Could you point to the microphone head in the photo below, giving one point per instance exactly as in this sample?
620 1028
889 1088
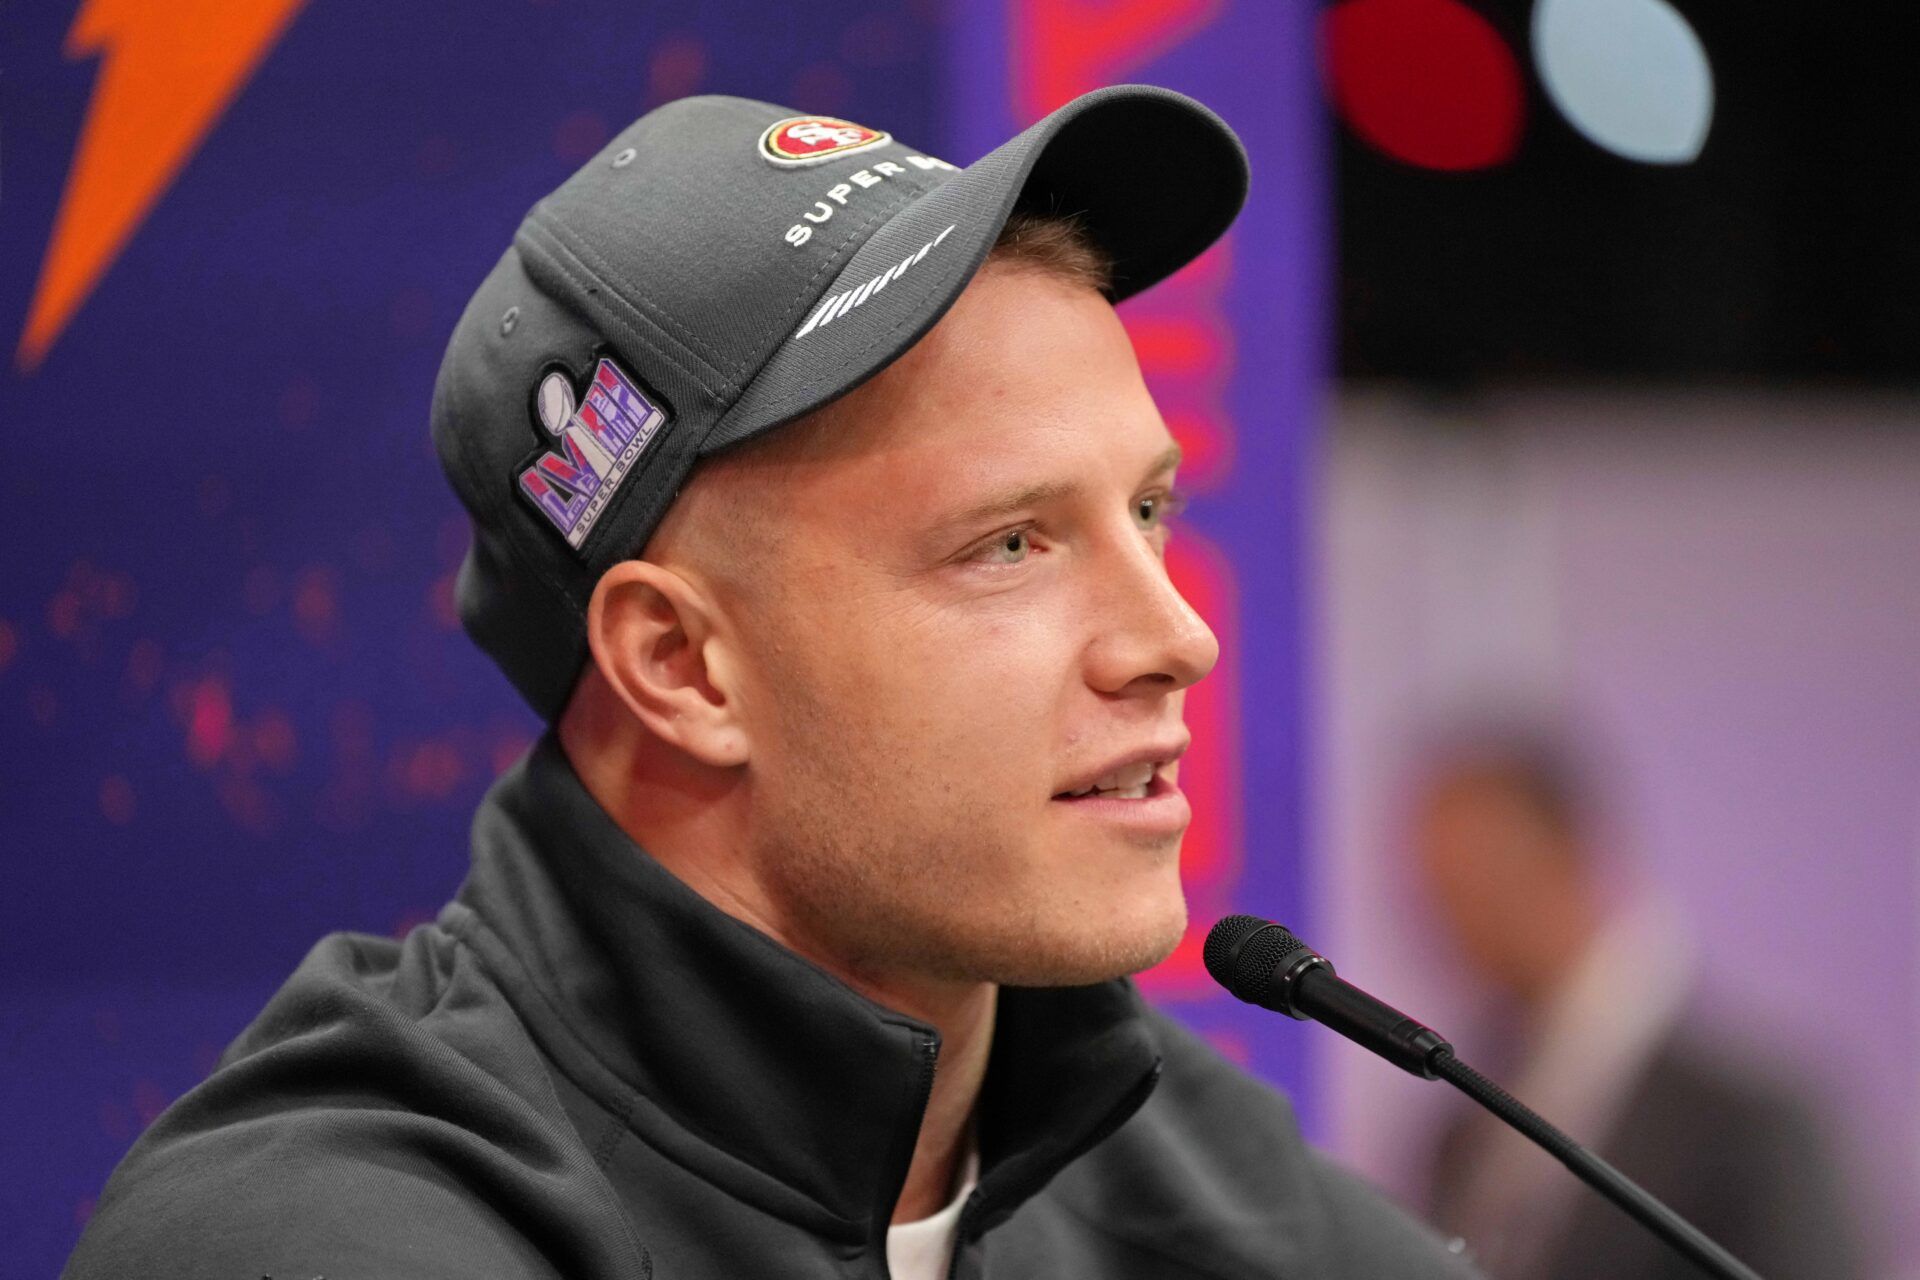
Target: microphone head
1245 953
1223 945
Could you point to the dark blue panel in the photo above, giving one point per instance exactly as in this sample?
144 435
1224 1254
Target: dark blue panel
234 711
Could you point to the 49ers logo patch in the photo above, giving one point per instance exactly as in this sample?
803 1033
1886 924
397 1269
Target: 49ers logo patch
810 139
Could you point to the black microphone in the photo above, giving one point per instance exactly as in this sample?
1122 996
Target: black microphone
1263 964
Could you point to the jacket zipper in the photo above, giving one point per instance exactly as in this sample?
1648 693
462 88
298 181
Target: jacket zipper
927 1055
1122 1112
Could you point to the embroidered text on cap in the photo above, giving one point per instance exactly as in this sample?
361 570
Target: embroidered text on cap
590 448
810 139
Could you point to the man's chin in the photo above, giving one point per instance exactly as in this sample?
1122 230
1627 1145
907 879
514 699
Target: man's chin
1118 948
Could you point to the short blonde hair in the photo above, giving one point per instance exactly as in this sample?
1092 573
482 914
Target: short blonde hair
1056 244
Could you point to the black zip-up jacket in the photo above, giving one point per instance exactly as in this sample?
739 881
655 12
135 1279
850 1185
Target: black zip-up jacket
584 1069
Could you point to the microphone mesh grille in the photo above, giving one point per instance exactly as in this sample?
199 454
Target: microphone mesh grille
1262 945
1222 939
1261 960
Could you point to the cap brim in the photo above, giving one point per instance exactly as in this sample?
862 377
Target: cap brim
1154 177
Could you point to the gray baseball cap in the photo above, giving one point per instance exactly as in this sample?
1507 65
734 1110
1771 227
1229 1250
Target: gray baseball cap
725 266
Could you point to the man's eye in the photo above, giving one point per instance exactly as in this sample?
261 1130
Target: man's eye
1010 547
1158 508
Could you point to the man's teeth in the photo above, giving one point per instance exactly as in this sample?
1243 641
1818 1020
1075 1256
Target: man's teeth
1129 783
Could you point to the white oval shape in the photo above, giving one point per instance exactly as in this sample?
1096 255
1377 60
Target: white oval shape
555 401
1630 75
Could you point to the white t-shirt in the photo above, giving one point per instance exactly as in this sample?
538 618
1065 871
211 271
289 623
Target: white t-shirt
922 1250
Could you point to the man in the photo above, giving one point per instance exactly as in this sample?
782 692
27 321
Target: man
796 947
1507 834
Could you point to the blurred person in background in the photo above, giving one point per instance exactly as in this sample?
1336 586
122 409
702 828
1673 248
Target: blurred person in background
1595 1025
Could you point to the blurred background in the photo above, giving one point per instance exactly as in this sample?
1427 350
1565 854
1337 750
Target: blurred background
1553 415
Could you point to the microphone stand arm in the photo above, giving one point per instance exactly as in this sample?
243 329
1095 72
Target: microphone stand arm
1264 964
1590 1168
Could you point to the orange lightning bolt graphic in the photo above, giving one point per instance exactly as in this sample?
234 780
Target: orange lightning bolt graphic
168 70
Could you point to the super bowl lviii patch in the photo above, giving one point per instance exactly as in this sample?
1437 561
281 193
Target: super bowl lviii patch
801 140
594 438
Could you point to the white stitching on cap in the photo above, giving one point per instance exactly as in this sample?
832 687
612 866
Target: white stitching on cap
819 313
838 305
884 208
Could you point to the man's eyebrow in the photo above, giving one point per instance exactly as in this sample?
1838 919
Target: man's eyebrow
1044 492
1008 503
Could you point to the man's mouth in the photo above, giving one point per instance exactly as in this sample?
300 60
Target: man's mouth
1154 807
1137 792
1129 782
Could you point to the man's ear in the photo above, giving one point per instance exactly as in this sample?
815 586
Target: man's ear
654 640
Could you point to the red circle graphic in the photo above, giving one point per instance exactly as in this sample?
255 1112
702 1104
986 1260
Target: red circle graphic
1429 82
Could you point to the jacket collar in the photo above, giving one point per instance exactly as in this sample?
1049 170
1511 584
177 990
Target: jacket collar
765 1058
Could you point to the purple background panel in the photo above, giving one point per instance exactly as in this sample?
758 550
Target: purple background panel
235 712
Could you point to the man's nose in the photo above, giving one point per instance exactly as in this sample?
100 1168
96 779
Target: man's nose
1150 640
